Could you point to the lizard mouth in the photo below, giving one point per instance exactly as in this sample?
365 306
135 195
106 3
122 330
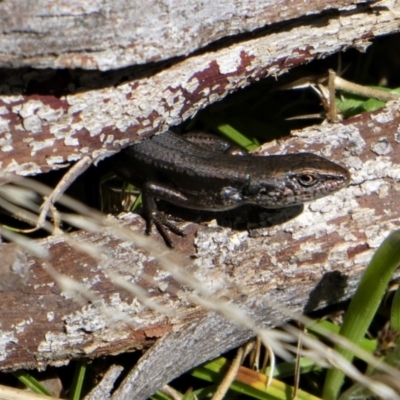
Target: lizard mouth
295 193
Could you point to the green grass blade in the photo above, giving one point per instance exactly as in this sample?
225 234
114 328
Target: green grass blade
395 311
364 304
160 396
31 383
77 382
215 370
366 344
189 396
137 203
286 369
234 135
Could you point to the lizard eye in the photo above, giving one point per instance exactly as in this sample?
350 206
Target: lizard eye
263 191
306 180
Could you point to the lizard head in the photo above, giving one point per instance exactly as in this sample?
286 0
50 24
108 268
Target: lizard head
295 179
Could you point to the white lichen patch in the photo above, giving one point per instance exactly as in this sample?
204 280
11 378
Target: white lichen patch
157 122
386 115
11 99
53 160
28 108
4 125
394 172
213 281
95 113
373 186
163 286
134 307
307 250
93 280
161 275
7 148
63 126
309 224
6 142
121 143
397 134
25 169
94 127
55 342
363 258
101 320
32 124
97 154
231 62
376 234
42 285
215 239
88 319
6 338
110 139
237 239
50 316
49 114
37 146
193 85
378 168
3 110
337 254
384 190
349 135
381 147
71 141
20 327
324 205
354 163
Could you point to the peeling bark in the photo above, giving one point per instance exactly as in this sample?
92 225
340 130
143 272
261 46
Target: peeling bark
304 262
44 131
302 259
109 35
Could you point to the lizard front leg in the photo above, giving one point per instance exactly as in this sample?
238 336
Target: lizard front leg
151 191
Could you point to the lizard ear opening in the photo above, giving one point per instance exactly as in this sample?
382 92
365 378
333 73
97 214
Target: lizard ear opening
263 191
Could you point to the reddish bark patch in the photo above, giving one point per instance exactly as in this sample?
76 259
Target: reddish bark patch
354 251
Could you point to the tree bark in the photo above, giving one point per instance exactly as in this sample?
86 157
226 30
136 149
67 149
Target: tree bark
301 259
109 35
51 118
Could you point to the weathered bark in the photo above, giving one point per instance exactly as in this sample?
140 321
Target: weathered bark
110 35
43 131
303 263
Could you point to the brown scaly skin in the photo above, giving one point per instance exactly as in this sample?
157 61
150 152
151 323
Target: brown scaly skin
174 169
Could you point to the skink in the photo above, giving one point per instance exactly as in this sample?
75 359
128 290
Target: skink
174 169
